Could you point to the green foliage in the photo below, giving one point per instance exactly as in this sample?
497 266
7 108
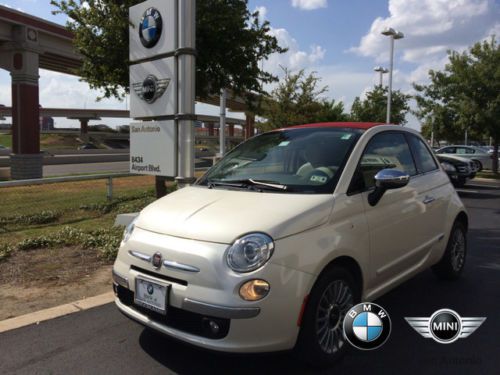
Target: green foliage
374 107
43 217
231 43
298 100
465 95
139 201
106 241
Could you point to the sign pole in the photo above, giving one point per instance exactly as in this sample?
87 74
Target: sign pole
186 94
222 123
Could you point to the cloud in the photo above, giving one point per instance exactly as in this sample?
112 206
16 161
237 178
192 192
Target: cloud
262 12
294 58
309 4
431 27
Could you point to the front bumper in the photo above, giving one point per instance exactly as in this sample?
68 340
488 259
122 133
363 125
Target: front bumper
212 294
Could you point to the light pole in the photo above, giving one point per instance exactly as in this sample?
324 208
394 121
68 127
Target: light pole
393 35
381 71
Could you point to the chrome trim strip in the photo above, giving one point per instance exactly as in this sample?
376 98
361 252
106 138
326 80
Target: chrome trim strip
141 256
220 311
120 280
180 266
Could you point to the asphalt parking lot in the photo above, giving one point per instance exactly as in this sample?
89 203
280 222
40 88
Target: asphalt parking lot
102 341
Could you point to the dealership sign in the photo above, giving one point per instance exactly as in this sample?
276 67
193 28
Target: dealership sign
161 35
149 137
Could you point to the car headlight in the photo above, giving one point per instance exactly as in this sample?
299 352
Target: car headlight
250 252
129 230
448 167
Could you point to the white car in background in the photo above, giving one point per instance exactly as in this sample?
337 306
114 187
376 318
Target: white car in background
480 156
270 249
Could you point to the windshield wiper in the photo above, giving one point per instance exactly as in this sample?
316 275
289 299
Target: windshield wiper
245 183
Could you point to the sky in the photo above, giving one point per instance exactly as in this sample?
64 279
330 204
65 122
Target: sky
339 40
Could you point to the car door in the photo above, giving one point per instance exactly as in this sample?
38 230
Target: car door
395 221
433 189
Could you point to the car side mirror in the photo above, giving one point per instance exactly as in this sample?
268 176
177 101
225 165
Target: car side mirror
387 179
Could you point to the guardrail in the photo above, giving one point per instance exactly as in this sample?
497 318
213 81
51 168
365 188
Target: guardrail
53 180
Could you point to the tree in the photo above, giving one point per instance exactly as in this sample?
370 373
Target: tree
468 89
298 99
374 107
231 43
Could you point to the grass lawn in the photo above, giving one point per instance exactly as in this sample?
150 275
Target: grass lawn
6 140
82 205
47 141
495 176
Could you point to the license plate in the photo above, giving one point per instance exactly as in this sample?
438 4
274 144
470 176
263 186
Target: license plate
151 295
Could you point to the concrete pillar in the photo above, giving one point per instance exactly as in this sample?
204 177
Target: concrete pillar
211 129
26 159
250 125
230 128
84 129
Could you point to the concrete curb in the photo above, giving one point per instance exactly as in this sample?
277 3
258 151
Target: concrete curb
55 312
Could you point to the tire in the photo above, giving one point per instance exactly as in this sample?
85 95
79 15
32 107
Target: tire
321 341
452 264
478 164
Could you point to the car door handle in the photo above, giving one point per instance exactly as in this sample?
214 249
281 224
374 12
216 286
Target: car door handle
428 199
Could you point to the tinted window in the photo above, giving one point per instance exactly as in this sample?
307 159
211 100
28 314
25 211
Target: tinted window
385 150
307 160
447 150
425 161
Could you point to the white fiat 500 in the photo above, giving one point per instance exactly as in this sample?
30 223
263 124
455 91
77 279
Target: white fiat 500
273 245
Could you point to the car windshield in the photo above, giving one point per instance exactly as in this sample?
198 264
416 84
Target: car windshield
303 160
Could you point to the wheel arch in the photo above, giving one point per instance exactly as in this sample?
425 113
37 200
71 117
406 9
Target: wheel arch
352 266
463 218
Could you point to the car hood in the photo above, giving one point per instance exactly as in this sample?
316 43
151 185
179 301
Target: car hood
221 215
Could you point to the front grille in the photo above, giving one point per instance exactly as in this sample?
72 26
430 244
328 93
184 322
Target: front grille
180 319
160 276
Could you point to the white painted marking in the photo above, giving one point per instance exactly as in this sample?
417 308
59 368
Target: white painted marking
55 312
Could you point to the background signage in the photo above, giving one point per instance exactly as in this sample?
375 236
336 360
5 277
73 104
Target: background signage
153 29
152 144
153 88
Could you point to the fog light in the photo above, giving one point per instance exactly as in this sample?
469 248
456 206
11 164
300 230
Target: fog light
254 290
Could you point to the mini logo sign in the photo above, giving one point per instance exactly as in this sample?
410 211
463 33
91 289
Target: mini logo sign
151 88
156 260
150 28
445 326
367 326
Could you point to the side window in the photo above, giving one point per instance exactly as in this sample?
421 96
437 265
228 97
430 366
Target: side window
385 150
425 161
448 150
461 150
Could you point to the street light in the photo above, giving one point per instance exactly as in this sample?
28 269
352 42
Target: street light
393 34
381 71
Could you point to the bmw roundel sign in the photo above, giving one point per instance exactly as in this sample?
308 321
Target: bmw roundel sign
150 27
